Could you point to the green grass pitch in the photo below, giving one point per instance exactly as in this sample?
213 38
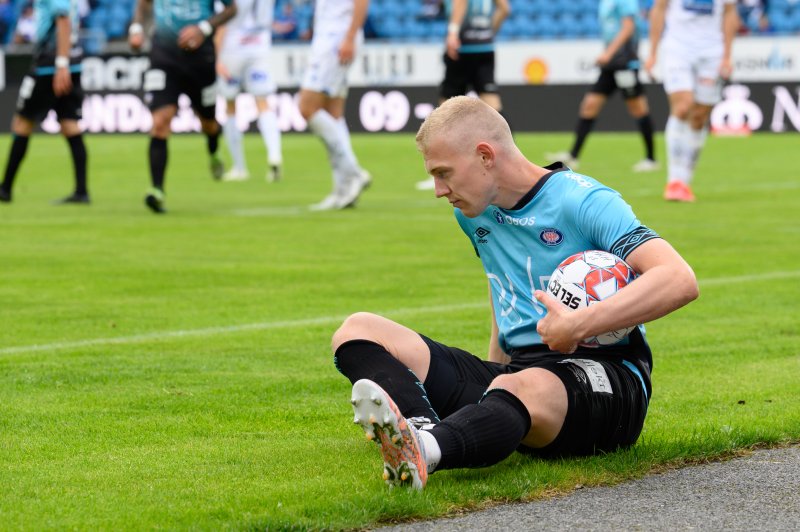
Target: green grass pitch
175 371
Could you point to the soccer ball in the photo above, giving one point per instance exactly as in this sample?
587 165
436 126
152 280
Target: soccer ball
587 277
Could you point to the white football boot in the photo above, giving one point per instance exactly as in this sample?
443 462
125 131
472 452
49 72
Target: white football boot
236 174
404 461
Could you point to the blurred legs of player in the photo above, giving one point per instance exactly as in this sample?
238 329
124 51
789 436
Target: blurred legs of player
685 135
158 154
325 117
249 73
627 81
36 100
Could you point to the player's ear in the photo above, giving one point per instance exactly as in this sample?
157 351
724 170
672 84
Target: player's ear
486 153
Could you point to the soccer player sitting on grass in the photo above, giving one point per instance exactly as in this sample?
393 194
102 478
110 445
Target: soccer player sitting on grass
432 406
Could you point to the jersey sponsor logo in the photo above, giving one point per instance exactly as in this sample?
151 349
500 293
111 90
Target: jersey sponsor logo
528 221
482 233
551 236
579 179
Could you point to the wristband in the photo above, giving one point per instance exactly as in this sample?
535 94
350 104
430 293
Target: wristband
135 29
205 27
453 28
62 61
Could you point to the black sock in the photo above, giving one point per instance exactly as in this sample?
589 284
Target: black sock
212 140
582 130
482 434
78 149
15 155
646 127
362 359
158 161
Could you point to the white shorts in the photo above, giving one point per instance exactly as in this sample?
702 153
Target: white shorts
324 73
247 74
696 71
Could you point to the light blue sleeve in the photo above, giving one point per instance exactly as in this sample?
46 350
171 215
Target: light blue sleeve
60 8
628 8
604 217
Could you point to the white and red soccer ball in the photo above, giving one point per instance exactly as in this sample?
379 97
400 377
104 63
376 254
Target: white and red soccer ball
586 278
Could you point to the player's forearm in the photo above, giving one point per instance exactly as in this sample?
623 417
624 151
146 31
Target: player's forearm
657 14
222 17
143 8
457 13
360 8
666 284
502 9
63 37
730 26
623 36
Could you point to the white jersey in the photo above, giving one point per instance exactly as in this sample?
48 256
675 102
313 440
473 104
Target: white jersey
332 16
695 24
250 31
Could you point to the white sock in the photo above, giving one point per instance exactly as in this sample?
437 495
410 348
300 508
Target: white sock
271 133
431 450
233 137
327 128
678 149
697 139
344 134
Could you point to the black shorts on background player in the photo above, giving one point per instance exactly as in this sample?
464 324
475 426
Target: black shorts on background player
174 72
626 80
474 71
36 98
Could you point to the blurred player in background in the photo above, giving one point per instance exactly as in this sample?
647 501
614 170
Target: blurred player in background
695 58
244 45
53 83
337 35
619 69
182 61
469 54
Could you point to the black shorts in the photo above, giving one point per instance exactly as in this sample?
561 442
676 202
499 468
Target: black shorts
474 71
627 81
607 395
174 72
36 99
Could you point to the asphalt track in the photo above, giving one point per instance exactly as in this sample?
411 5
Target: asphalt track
757 492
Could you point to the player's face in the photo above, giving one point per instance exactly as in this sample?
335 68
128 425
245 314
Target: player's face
459 176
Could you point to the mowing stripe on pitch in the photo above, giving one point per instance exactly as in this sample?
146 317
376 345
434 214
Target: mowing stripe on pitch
323 320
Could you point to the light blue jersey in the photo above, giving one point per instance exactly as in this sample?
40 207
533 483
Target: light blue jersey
173 15
612 13
46 13
477 35
565 213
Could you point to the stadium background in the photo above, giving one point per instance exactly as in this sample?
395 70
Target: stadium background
546 51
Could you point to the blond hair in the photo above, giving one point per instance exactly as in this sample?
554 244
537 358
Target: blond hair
462 121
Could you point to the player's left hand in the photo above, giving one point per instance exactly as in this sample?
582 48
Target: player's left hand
222 71
190 38
726 68
347 51
62 82
603 59
556 328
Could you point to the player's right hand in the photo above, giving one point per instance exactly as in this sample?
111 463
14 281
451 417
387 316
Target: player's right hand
136 41
62 82
649 64
453 44
222 71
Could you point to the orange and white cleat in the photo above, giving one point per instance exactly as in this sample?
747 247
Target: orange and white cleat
403 453
678 191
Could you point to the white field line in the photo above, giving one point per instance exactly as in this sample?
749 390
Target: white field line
322 320
217 331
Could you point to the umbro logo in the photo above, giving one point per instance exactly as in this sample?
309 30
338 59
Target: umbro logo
482 233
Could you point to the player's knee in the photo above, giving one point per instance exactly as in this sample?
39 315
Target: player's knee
354 327
509 383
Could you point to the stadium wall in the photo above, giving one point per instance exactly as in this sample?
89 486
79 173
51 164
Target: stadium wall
395 86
